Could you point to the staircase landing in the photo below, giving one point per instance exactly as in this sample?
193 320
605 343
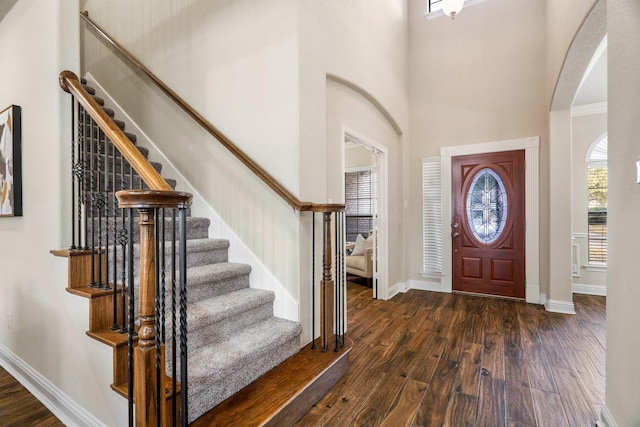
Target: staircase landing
284 394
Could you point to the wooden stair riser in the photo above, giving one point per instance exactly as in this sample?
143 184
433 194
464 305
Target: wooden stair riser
101 311
79 267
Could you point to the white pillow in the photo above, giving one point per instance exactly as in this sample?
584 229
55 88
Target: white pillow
362 245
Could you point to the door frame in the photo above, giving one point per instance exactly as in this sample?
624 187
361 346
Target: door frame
381 257
531 146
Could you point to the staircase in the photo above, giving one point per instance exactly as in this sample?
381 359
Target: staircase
232 334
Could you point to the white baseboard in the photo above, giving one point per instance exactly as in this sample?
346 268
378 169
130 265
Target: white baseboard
563 307
606 419
61 405
398 288
599 290
424 285
543 298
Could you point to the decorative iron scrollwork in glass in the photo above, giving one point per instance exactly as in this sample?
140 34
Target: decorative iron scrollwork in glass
487 206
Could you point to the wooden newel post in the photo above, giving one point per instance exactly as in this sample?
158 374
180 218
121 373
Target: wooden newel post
326 286
144 356
145 391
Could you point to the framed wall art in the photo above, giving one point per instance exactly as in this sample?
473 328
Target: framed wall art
10 162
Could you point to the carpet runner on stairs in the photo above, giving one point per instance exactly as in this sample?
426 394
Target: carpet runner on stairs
232 334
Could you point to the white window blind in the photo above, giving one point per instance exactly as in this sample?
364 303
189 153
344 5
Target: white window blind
359 191
431 216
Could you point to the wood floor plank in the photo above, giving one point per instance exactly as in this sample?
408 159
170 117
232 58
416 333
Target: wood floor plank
403 409
548 409
436 400
493 355
468 380
579 410
373 412
540 376
553 349
491 403
461 411
424 366
519 403
591 379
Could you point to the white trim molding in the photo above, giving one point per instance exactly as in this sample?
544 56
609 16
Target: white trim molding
606 419
61 405
563 307
599 290
589 109
599 268
531 146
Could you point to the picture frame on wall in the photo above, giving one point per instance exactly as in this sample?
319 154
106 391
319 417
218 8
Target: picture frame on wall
10 162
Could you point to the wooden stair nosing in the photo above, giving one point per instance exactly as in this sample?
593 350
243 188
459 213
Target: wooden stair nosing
284 394
110 337
89 292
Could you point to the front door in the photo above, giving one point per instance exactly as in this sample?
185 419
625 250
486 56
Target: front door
488 224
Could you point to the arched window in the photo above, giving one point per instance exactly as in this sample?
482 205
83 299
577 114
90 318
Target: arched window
596 159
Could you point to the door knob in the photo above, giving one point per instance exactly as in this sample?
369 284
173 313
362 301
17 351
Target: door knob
455 225
455 234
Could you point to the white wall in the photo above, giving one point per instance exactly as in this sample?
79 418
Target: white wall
358 50
623 293
478 78
45 341
585 130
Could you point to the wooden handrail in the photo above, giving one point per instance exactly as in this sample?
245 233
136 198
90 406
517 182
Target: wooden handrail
71 84
271 182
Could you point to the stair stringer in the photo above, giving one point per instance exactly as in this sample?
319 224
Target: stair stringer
285 305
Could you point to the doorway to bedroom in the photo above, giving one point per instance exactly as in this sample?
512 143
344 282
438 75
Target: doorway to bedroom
365 210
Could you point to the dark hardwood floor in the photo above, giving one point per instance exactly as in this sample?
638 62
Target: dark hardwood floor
18 407
433 359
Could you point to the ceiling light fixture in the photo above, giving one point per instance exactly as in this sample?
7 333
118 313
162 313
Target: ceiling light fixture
452 7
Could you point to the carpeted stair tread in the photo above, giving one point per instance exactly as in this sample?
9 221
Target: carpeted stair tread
222 369
214 310
239 350
206 274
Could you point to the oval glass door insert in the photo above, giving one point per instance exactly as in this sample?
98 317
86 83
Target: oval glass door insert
487 206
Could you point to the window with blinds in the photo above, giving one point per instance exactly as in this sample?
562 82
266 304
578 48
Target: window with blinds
431 216
597 193
358 203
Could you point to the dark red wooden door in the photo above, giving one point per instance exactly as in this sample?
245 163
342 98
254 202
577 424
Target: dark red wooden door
488 224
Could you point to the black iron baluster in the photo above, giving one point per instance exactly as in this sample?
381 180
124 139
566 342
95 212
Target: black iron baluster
85 186
114 222
93 203
313 280
124 238
131 318
184 410
99 197
106 207
163 270
157 315
174 388
343 292
74 142
336 302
